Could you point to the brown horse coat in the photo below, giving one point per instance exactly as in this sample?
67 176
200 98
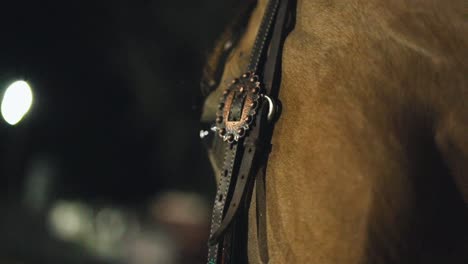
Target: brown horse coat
370 156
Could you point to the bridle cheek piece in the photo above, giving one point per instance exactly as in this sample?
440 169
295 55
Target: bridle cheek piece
245 127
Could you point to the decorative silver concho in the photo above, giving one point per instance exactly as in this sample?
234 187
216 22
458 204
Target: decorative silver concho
238 107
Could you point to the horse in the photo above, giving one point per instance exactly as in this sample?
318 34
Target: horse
369 158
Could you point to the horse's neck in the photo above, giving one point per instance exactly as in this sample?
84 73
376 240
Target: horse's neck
355 175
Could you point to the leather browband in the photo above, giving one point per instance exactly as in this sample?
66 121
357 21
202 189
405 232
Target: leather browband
246 128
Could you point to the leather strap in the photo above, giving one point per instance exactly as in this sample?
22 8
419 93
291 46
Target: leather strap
272 68
260 191
272 79
222 196
262 35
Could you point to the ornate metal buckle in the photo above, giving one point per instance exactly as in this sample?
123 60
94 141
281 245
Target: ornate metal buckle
238 107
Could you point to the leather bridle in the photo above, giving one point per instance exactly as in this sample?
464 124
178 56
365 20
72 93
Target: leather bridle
244 123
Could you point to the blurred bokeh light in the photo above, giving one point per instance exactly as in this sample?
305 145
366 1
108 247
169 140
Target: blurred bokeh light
16 102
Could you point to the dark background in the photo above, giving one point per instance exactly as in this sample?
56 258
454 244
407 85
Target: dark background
115 117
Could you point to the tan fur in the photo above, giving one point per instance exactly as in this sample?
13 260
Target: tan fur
367 87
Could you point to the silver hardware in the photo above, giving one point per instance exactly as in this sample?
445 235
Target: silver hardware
227 45
271 108
204 133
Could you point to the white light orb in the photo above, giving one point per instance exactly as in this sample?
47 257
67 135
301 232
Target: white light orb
16 102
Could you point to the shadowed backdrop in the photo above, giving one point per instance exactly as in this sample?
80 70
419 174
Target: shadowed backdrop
114 125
